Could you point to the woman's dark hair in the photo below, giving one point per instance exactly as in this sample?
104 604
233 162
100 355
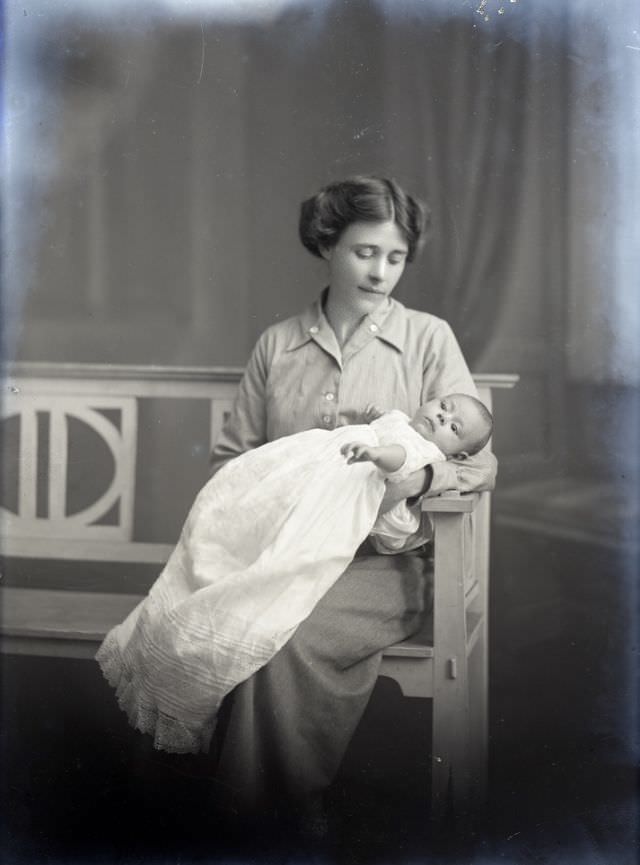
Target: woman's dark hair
324 216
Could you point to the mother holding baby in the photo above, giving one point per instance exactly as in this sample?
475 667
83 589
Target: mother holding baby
283 732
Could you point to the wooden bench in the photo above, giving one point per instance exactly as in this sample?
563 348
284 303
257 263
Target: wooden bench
446 662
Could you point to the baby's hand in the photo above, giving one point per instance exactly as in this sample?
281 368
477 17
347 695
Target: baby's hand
356 452
372 412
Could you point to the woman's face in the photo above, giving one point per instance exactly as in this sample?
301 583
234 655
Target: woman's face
366 263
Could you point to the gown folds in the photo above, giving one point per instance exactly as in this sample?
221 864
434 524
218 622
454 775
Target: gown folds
266 537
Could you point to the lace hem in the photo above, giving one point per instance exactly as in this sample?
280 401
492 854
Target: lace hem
169 734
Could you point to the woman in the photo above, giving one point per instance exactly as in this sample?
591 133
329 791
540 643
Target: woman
287 727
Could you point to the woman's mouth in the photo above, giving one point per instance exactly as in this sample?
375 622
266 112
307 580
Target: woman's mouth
370 290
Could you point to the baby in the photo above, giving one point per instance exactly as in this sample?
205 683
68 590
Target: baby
265 539
457 425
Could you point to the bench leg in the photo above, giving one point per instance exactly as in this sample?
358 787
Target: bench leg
451 769
479 662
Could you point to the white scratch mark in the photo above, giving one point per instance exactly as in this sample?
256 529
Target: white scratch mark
633 47
509 837
202 53
361 132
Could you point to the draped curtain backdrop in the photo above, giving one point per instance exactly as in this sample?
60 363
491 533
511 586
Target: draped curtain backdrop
192 198
156 165
463 98
476 175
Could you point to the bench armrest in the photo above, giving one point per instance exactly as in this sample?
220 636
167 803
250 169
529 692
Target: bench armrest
451 503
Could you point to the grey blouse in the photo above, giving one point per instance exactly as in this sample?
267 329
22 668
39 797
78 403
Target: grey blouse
297 378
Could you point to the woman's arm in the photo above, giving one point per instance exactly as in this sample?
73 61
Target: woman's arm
411 488
246 427
400 530
474 474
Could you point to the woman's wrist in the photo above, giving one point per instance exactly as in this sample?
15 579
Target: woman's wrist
427 472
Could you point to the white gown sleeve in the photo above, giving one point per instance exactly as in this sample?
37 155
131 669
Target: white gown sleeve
401 528
393 428
393 530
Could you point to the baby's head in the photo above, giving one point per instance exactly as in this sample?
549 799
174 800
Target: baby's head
459 424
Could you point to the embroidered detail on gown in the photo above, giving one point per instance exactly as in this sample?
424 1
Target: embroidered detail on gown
266 537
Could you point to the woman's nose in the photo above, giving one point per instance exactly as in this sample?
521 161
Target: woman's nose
377 269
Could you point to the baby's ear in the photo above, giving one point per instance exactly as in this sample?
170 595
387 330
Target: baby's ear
463 455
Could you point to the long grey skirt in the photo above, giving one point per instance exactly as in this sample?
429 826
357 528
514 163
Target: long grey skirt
283 732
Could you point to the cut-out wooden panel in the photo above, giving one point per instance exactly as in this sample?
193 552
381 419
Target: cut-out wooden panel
43 461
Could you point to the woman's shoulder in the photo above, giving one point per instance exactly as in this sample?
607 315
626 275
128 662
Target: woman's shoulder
417 327
284 332
420 318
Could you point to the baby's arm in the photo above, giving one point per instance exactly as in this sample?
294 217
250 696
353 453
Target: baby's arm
389 458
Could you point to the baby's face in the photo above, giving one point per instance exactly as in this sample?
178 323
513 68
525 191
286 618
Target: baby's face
453 423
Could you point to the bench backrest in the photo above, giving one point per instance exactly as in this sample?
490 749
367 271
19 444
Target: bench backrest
77 438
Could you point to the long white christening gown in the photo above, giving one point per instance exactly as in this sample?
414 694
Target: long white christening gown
266 537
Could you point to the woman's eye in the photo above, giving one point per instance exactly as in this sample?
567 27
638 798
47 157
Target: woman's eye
364 253
396 259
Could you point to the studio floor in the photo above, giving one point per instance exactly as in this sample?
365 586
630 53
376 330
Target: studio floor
80 787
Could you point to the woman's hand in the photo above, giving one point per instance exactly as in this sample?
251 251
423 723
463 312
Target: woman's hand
372 412
416 484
